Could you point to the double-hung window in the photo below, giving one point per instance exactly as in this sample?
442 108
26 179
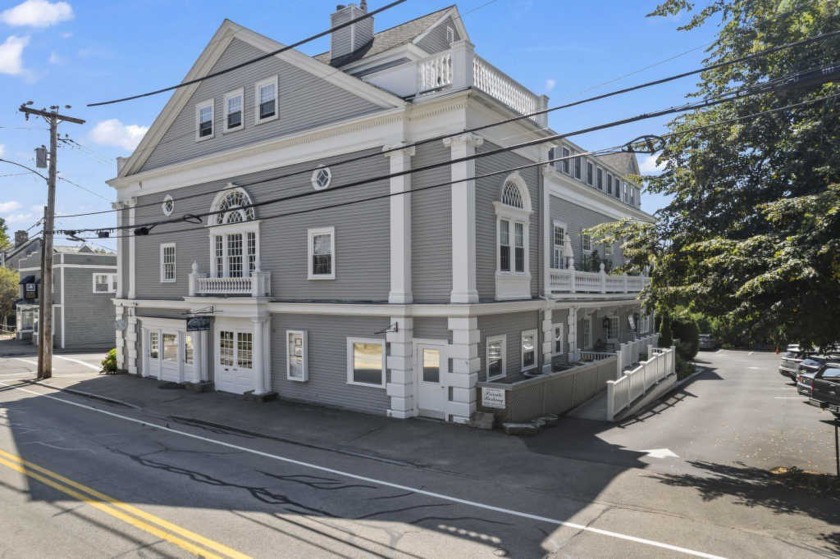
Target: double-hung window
609 183
366 362
167 262
233 110
519 246
504 245
321 253
204 120
102 283
566 161
589 172
600 179
495 357
612 333
585 242
617 188
529 349
577 167
559 331
559 238
266 99
296 362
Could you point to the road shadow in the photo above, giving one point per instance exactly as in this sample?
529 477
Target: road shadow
782 491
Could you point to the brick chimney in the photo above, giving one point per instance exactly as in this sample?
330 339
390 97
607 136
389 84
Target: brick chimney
20 238
353 37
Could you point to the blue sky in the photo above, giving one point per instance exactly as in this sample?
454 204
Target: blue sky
77 52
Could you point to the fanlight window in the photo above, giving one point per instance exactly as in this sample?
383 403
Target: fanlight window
235 207
511 196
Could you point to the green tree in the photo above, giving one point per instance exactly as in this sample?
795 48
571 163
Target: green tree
4 235
8 294
666 336
751 234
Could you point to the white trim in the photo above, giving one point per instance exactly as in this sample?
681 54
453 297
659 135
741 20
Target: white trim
450 34
596 200
228 96
64 302
257 86
163 278
167 201
351 361
456 20
132 250
310 237
487 341
513 284
109 277
74 266
315 174
305 367
522 335
198 107
562 339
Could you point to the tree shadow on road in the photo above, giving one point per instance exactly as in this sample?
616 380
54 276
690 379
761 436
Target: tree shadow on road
783 491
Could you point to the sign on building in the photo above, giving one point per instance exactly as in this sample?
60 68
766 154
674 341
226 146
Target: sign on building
493 397
198 323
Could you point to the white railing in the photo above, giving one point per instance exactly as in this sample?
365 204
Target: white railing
587 356
435 72
574 281
630 352
460 68
499 85
258 284
632 385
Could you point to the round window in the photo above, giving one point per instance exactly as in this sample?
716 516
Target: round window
168 205
321 178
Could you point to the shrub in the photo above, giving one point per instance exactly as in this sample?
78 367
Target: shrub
686 331
109 364
684 367
666 337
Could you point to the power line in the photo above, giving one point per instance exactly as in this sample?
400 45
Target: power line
252 61
448 183
513 119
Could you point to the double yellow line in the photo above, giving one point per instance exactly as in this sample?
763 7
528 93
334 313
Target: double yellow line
183 538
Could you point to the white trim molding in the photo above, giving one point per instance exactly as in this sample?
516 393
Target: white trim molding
513 216
257 87
164 247
209 103
351 342
310 253
400 221
502 339
534 343
297 336
226 107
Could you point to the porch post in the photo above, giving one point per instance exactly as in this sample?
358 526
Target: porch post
119 336
400 225
465 366
131 341
401 388
463 218
257 355
548 340
572 324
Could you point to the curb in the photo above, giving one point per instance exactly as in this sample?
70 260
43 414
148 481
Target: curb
84 394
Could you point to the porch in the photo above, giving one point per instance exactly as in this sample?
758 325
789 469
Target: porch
562 281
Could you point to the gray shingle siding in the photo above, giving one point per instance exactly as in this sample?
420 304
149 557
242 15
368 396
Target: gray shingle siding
89 316
362 233
305 101
436 40
488 190
327 354
578 218
432 328
431 220
512 325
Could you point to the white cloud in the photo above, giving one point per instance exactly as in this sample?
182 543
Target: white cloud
11 55
648 166
37 13
112 132
10 206
19 218
55 58
549 85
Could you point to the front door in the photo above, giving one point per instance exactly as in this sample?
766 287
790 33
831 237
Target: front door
169 350
430 359
234 360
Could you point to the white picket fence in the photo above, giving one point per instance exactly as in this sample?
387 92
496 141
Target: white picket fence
634 384
629 352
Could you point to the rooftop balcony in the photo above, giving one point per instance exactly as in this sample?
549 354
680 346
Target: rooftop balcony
566 281
460 68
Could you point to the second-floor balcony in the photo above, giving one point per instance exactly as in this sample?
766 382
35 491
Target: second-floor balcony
460 68
565 281
257 284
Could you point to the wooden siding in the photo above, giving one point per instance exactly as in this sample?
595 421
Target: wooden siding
436 40
512 325
578 218
305 101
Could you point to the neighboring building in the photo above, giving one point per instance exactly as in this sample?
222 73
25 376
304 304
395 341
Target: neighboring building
397 305
84 282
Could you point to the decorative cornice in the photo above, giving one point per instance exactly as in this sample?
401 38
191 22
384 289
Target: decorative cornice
469 139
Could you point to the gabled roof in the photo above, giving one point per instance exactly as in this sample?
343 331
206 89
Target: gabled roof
624 162
224 36
388 39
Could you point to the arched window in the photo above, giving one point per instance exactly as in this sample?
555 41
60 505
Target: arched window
234 234
513 216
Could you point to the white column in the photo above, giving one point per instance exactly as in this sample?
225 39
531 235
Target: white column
131 341
547 235
572 324
132 252
258 356
465 366
463 218
400 225
463 56
548 340
120 256
401 387
119 337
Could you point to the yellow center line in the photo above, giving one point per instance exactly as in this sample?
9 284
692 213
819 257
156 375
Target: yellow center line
129 514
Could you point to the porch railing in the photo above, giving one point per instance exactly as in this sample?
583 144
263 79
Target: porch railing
258 284
635 383
574 281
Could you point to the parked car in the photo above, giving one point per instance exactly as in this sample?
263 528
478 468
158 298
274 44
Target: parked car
707 341
808 369
791 359
826 388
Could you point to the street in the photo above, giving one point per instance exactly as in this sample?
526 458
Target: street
82 477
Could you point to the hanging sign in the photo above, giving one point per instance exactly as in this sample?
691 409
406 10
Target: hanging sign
198 323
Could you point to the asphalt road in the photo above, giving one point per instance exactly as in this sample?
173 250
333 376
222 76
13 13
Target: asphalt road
81 478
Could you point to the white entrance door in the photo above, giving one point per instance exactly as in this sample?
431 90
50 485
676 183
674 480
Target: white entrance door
169 362
429 362
152 357
234 360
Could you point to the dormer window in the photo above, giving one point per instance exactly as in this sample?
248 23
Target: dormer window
233 110
204 120
266 99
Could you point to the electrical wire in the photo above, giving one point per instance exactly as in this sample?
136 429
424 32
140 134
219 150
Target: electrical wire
253 60
496 173
516 118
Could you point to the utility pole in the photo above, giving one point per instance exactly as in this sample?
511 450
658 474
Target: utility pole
45 348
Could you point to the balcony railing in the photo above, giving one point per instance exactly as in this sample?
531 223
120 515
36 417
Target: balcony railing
460 68
258 284
574 281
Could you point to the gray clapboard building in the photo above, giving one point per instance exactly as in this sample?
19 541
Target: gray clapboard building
84 282
300 226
